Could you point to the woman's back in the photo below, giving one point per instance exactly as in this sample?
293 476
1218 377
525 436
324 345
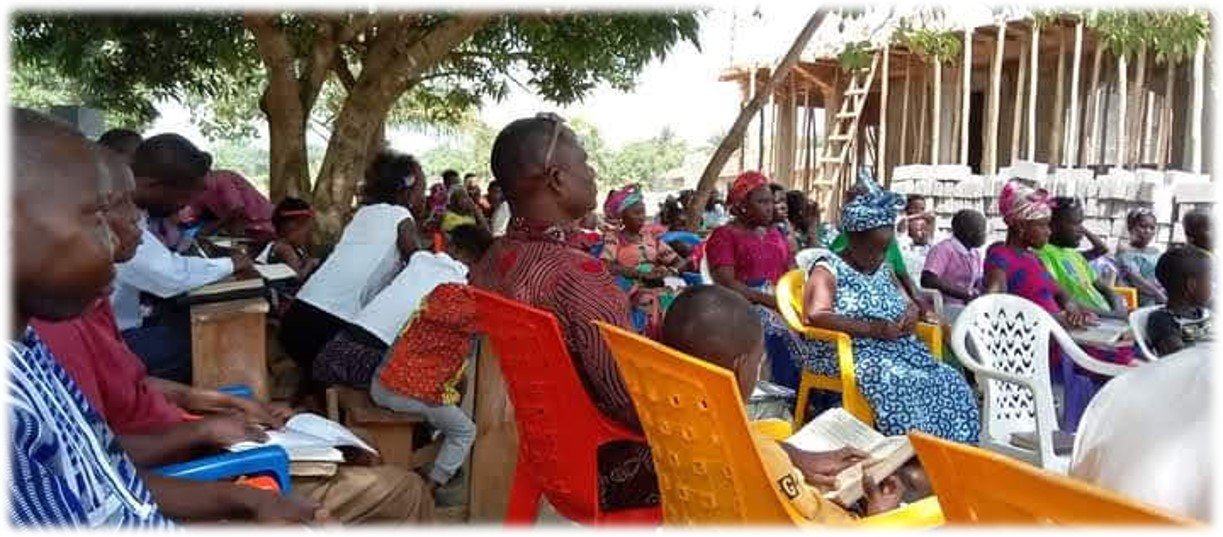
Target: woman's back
365 259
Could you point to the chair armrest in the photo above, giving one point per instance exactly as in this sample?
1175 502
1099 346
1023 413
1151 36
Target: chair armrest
851 398
267 460
932 336
924 513
773 428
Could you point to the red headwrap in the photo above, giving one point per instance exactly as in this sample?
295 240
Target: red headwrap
744 185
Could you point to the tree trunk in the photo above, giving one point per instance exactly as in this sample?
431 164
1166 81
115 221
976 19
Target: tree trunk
281 103
1138 106
903 156
1092 124
995 102
1165 123
1017 122
1072 149
710 176
1056 141
394 63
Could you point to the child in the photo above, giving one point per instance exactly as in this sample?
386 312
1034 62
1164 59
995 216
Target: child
1136 264
462 210
352 355
1069 266
917 248
915 207
1184 273
1198 228
687 329
954 266
293 219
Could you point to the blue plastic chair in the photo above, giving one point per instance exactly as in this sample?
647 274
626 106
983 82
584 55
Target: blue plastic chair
687 237
271 461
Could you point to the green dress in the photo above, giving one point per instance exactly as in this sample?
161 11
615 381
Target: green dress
1074 275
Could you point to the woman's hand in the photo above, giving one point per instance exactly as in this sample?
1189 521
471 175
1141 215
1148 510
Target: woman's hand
886 330
1076 317
275 509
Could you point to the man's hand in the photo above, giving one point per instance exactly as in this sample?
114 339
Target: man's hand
226 430
883 497
821 468
213 402
242 262
274 508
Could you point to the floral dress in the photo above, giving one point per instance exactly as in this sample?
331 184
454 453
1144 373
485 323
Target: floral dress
649 302
906 387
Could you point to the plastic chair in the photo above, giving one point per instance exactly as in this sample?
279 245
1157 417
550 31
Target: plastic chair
1138 323
1129 295
559 428
977 487
687 237
271 461
790 304
709 471
1004 339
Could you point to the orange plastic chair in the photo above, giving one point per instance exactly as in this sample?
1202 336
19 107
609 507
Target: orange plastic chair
976 486
1129 295
790 304
709 471
559 428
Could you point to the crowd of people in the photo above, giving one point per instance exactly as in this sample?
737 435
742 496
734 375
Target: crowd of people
109 233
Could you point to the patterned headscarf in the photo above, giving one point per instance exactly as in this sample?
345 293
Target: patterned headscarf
620 200
872 207
744 185
1022 203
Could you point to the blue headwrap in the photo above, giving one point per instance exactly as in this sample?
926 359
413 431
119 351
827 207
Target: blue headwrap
872 208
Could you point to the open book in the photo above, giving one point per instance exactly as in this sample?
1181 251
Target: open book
275 271
310 438
1108 333
836 429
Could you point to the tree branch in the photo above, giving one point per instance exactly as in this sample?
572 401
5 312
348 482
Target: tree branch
343 72
319 62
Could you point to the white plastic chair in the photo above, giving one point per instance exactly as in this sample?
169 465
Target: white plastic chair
1004 340
705 274
1138 324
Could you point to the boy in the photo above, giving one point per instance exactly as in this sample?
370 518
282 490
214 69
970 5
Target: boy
954 266
686 329
1070 268
1198 229
917 248
1184 272
915 208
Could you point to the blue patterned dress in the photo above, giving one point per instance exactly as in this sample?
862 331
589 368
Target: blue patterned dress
906 387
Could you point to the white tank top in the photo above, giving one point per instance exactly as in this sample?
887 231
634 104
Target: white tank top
362 263
386 315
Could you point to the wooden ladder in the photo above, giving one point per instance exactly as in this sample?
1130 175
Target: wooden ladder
841 144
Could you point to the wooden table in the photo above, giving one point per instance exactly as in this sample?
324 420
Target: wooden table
494 456
229 345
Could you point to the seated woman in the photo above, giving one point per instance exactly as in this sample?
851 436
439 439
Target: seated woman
372 249
1069 267
1012 267
1136 260
857 293
639 261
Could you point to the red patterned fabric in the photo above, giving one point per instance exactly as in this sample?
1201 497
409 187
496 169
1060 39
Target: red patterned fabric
427 359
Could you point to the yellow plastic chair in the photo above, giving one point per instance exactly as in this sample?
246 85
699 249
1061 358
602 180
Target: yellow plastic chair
975 486
709 471
790 304
1129 295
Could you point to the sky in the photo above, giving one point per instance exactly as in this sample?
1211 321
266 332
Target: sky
681 92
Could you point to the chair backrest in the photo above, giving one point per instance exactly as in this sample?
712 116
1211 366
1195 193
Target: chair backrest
559 427
1129 295
708 468
1005 340
975 486
1138 324
790 298
705 273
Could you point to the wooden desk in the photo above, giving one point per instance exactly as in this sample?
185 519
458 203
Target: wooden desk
229 345
494 456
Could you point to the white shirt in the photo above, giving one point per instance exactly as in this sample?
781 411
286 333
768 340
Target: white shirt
1146 435
158 271
362 263
501 219
386 315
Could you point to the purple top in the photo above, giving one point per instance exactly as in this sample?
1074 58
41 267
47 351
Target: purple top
956 264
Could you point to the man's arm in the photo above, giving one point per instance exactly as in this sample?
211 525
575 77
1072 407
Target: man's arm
189 439
930 280
1098 248
157 270
199 501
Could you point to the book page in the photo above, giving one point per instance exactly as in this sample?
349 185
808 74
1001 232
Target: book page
276 271
328 431
835 429
1108 332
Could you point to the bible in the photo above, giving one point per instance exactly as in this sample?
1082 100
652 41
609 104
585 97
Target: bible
311 438
836 429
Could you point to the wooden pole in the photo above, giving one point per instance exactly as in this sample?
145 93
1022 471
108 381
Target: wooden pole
995 100
760 137
953 138
1195 125
1165 122
1072 150
965 96
1093 109
1144 156
1059 107
921 120
751 94
1017 122
903 158
936 117
1139 95
709 177
1123 109
1034 65
881 170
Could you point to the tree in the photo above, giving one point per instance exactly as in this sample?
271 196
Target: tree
284 64
643 161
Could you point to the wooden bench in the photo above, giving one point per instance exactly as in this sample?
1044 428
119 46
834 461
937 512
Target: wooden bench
392 433
229 345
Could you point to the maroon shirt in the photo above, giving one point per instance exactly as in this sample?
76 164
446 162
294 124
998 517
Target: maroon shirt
112 378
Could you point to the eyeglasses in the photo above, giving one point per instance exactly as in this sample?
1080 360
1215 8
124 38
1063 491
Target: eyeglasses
557 122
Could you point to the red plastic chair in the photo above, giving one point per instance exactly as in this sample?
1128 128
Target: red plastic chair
559 428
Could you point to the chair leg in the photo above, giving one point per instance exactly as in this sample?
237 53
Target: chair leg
524 498
800 408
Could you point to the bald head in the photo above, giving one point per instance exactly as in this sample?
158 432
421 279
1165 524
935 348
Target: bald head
520 150
543 170
713 323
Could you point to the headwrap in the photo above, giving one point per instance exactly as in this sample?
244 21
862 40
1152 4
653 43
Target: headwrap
744 185
1022 203
872 207
619 200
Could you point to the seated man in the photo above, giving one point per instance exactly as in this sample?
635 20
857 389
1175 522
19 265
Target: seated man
1184 273
169 171
686 329
152 427
231 204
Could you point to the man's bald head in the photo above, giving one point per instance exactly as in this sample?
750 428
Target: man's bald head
713 323
519 152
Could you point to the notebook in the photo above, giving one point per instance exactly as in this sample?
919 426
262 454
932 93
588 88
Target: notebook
836 429
275 271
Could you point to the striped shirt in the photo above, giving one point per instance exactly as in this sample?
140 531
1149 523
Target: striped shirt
66 467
